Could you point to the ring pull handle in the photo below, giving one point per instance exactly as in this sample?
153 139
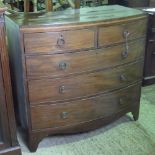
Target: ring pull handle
61 89
123 78
61 41
64 115
62 65
125 54
123 101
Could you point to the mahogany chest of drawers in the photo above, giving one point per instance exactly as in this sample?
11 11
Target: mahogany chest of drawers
74 71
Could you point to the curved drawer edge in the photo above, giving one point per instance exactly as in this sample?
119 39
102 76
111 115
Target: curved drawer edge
79 111
86 126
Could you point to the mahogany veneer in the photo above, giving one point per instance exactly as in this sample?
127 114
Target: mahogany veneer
8 138
76 70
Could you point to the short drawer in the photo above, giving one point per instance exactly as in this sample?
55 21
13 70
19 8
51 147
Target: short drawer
71 63
117 33
59 89
56 42
79 111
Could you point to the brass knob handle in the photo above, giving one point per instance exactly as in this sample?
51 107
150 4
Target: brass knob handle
62 65
125 54
61 89
121 101
123 78
64 115
61 41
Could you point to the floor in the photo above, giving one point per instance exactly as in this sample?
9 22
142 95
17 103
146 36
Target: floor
123 137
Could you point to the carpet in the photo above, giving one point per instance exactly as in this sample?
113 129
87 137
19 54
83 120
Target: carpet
122 137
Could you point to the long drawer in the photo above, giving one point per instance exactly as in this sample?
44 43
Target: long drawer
70 63
70 113
118 33
59 89
59 41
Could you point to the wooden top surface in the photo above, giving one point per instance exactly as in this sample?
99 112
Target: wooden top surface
71 16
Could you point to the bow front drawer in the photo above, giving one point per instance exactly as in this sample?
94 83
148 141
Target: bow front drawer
59 65
80 111
59 89
75 71
121 33
55 42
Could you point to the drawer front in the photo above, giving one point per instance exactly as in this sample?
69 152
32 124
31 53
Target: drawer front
71 63
70 113
51 90
56 42
118 33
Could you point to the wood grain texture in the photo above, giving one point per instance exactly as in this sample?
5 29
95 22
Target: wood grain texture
60 65
115 34
7 120
66 79
16 68
3 115
8 87
59 41
73 129
51 90
91 15
51 116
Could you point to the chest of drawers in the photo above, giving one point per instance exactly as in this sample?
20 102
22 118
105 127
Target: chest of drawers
74 71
